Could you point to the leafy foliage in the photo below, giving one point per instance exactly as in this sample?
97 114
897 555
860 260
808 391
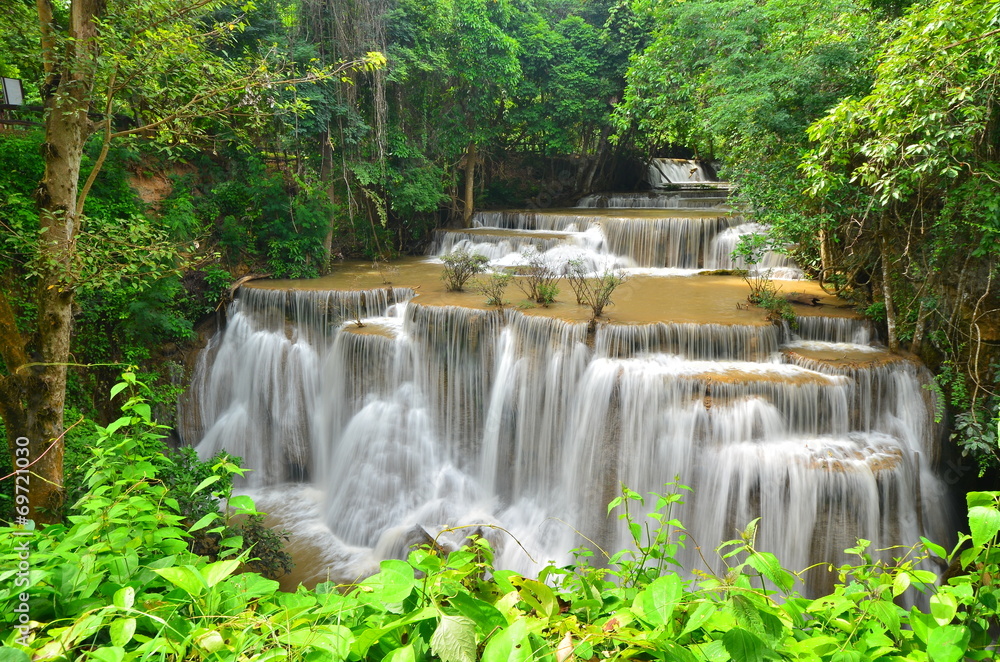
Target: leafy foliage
459 267
593 292
118 582
493 286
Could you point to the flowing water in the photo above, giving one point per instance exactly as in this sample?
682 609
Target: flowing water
373 417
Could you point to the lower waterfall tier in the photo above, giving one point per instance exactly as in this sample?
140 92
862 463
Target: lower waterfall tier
372 420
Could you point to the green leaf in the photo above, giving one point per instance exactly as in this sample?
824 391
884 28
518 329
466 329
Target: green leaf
404 654
743 646
487 618
510 644
117 388
243 505
767 565
216 572
948 643
184 577
203 522
143 410
205 483
657 601
984 524
124 597
454 640
943 607
900 584
539 596
11 654
121 631
209 640
392 584
108 654
701 614
888 614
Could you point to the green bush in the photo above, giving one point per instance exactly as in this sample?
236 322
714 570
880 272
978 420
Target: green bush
117 582
459 267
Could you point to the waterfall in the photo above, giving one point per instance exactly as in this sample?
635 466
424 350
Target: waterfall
373 419
681 239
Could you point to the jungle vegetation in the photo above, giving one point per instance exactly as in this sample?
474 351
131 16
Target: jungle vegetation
171 147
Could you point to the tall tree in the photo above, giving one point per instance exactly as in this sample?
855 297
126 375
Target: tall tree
922 150
145 69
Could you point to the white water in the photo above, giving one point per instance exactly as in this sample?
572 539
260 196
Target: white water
682 243
452 416
665 172
364 441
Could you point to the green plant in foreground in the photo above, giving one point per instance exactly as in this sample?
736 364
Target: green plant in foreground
117 582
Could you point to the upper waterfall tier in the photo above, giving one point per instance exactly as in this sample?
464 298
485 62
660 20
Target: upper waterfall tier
409 410
678 240
656 200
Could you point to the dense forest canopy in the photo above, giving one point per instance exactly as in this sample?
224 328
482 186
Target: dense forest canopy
170 148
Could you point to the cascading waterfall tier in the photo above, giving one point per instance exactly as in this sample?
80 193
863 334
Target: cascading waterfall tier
676 234
371 422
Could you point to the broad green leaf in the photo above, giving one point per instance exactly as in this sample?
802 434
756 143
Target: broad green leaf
747 613
243 505
184 577
657 601
888 614
743 646
121 631
701 614
934 548
674 652
984 524
124 597
509 645
713 651
947 643
404 654
943 607
900 584
369 636
922 624
108 654
539 596
203 522
486 617
393 583
454 640
216 572
209 640
11 654
979 499
767 565
205 483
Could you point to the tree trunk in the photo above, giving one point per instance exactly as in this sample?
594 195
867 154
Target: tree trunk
602 146
890 308
824 253
470 184
39 414
326 176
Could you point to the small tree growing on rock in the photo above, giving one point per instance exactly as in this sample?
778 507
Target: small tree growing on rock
537 278
459 267
594 292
